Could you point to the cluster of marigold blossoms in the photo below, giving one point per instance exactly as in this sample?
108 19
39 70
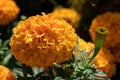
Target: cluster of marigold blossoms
43 40
5 74
111 22
8 11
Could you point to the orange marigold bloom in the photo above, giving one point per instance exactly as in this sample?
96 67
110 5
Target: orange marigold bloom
42 40
5 74
110 21
8 11
105 61
69 14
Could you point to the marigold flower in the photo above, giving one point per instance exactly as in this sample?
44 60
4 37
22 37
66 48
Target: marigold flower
5 74
69 14
8 11
43 40
111 22
105 61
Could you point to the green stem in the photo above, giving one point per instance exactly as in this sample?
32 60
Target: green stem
101 34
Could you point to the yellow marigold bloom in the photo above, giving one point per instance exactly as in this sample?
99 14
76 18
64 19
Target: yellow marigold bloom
42 40
105 61
111 22
8 11
5 74
69 14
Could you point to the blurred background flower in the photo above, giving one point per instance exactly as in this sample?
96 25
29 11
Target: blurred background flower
8 11
110 21
6 74
68 14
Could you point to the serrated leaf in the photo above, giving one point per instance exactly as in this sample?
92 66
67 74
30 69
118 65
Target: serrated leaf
82 52
100 73
37 70
91 51
6 42
18 72
59 78
77 45
0 42
1 52
7 58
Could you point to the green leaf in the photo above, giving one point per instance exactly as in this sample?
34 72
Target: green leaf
59 78
0 42
7 58
77 44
